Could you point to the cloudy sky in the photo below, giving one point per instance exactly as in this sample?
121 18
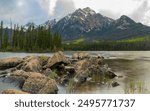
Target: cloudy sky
39 11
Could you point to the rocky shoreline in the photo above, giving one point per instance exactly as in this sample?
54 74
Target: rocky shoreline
42 74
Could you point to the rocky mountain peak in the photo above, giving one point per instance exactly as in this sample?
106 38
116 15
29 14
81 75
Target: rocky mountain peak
29 24
50 23
87 23
89 11
125 18
84 12
124 22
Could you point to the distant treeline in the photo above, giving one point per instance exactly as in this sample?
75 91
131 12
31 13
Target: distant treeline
42 39
124 45
31 39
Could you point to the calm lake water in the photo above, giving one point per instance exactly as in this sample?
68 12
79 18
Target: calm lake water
133 67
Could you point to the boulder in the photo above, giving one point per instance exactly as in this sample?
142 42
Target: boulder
20 73
82 76
69 74
31 64
13 91
4 73
80 55
51 74
9 62
18 77
88 63
39 84
43 60
57 59
88 67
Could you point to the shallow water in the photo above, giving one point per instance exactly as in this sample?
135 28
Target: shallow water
132 65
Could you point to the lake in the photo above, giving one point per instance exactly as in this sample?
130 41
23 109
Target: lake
132 67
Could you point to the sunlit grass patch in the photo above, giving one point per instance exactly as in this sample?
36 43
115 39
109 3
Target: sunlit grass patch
78 41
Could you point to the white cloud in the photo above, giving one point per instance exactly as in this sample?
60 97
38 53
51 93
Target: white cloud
52 7
40 10
139 13
44 4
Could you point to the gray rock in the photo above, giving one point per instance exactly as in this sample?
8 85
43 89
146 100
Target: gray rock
39 84
56 60
18 77
9 63
31 64
80 55
13 91
115 84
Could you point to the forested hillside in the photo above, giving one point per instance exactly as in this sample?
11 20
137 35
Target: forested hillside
31 39
133 44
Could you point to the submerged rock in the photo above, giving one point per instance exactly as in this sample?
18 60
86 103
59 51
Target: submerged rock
80 55
110 74
18 77
13 91
115 84
39 84
9 62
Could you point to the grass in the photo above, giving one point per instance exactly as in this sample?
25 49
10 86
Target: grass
78 41
95 41
52 75
43 57
71 86
135 87
134 40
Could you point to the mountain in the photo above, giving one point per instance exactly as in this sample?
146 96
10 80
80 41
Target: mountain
82 22
89 24
49 23
124 28
29 24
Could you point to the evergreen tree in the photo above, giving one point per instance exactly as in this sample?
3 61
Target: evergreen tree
1 33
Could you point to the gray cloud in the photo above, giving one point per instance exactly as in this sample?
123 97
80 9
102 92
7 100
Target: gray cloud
110 14
38 11
63 7
44 4
30 10
140 12
6 6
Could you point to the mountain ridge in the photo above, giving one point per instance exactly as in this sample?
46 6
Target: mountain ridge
89 24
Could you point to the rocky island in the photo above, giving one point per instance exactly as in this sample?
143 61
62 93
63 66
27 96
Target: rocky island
43 74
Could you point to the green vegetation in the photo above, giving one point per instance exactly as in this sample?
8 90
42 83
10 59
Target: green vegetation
52 75
42 39
39 39
136 44
78 41
95 41
135 40
135 87
71 86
